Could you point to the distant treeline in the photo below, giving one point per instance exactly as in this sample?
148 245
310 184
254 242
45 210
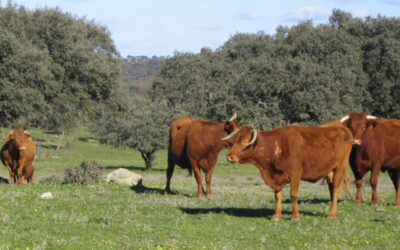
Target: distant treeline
303 74
140 67
139 72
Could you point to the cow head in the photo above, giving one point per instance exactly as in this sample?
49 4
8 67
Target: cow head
357 123
231 127
18 138
243 143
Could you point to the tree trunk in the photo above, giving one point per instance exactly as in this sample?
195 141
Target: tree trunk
147 157
60 137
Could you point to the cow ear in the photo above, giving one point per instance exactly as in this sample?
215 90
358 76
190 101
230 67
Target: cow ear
371 124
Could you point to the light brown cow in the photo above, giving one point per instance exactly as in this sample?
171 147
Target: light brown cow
293 153
195 144
17 154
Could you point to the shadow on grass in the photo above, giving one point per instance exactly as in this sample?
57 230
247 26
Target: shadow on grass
48 146
135 168
244 212
88 139
141 189
311 201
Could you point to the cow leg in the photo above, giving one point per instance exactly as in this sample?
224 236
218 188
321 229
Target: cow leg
208 180
31 179
338 174
278 205
395 177
294 191
329 180
359 175
21 177
170 171
11 172
199 178
374 182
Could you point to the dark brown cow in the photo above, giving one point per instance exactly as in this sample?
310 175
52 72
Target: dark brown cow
293 153
195 144
17 155
378 149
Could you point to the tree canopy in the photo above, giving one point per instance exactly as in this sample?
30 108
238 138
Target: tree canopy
304 74
55 68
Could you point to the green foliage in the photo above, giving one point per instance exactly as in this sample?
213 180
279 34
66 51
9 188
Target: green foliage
303 74
55 68
143 126
86 173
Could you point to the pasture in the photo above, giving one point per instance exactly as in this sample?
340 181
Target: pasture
236 216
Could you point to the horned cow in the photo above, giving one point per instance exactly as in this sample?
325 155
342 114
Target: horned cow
293 153
195 144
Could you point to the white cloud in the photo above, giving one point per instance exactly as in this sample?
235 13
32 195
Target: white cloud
308 13
246 15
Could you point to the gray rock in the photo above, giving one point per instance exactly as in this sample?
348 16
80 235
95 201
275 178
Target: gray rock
124 176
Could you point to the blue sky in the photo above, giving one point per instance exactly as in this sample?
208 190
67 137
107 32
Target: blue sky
161 27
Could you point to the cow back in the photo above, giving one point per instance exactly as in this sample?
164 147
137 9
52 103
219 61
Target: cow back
313 151
381 142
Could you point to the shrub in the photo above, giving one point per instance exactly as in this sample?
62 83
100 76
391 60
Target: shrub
86 173
53 179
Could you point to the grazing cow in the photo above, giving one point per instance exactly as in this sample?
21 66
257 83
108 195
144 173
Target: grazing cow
17 155
195 144
377 149
293 153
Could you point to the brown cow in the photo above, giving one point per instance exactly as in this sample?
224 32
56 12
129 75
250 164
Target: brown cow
195 144
293 153
17 155
378 149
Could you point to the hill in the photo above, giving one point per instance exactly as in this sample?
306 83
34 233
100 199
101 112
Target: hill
139 72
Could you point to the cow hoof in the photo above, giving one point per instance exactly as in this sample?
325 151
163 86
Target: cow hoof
332 214
358 201
295 218
276 217
374 203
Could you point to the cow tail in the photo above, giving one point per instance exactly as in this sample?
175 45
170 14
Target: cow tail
346 181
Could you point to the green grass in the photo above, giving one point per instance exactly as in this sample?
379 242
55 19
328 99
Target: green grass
236 216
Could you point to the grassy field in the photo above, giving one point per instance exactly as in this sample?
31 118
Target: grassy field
236 216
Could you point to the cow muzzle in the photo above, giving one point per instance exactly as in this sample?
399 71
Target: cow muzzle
231 159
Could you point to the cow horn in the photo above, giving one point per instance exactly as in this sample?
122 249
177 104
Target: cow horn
253 137
371 117
231 135
26 132
344 118
233 116
11 132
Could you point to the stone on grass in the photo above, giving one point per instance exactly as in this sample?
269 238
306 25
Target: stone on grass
124 176
46 195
